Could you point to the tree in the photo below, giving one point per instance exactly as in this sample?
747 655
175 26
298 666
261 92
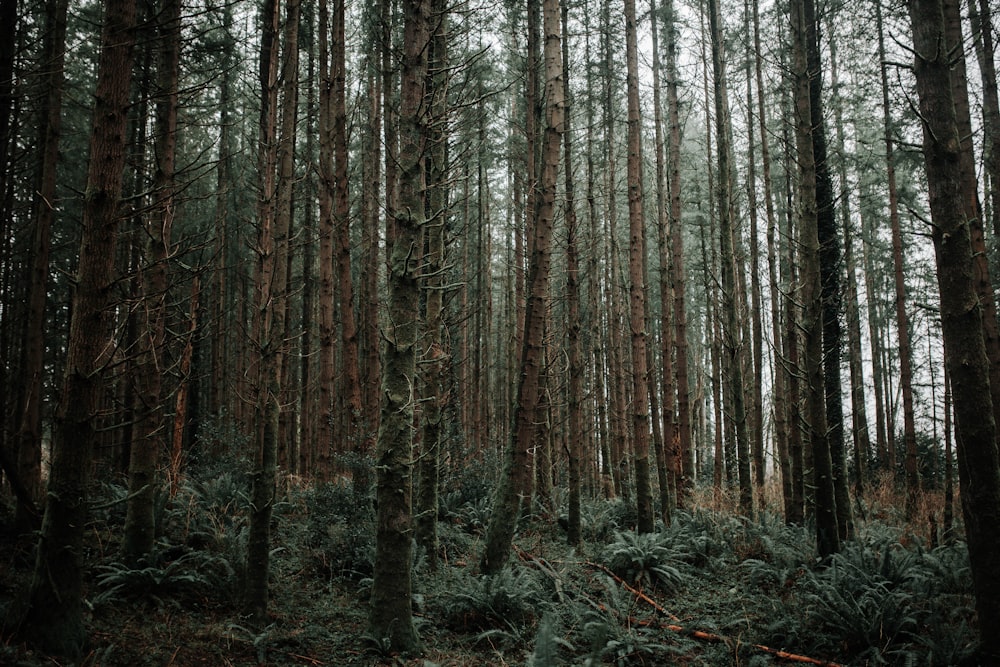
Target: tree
150 430
961 314
507 505
434 354
730 273
274 210
52 617
28 441
827 530
391 612
637 290
899 284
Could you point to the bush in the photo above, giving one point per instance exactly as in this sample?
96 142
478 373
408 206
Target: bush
341 530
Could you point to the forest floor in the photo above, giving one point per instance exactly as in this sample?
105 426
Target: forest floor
709 589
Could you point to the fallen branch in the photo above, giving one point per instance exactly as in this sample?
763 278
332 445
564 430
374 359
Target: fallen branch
701 634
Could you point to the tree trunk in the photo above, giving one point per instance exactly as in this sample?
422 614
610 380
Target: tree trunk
756 311
982 31
830 269
28 441
508 503
434 351
961 315
391 612
859 408
150 428
637 291
356 438
685 466
53 618
902 319
669 472
827 530
733 363
575 361
274 211
323 467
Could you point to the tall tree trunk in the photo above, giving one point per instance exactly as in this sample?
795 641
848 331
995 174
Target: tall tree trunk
827 529
756 314
391 612
274 211
730 277
961 314
637 290
508 503
686 463
350 385
327 326
575 360
150 428
982 31
53 617
859 407
899 284
669 472
28 441
830 270
434 352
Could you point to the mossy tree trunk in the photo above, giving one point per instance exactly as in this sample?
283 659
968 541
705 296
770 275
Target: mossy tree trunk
391 613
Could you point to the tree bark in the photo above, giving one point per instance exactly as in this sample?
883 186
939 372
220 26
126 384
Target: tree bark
28 441
434 351
637 290
899 284
276 181
733 363
827 530
391 611
961 314
53 617
508 503
150 428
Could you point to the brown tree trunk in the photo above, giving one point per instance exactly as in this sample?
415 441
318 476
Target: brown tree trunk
667 442
276 180
962 314
859 407
899 284
685 466
756 312
733 363
150 428
508 503
356 438
637 291
391 611
830 270
53 617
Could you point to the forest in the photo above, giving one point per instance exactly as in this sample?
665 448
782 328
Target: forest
452 332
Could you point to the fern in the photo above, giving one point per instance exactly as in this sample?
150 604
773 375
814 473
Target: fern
643 559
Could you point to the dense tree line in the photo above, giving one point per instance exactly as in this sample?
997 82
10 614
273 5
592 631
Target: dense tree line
375 243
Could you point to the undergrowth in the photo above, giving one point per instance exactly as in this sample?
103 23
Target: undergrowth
885 599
